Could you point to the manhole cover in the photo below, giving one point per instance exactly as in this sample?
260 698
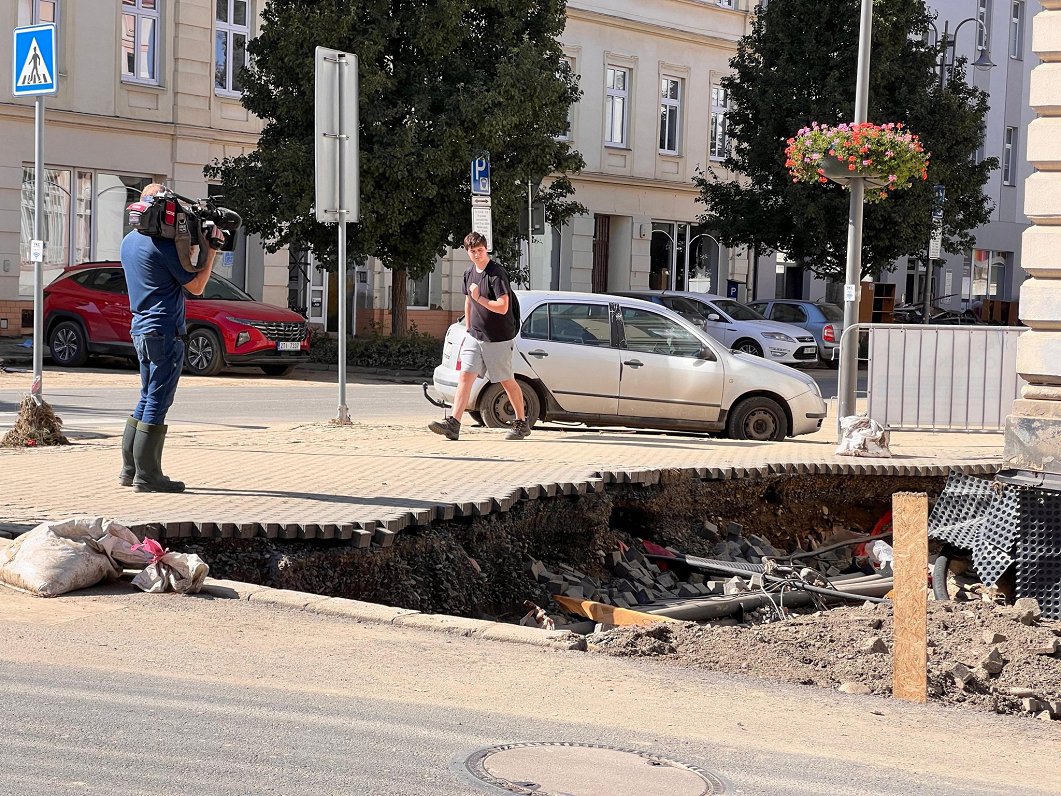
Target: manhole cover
572 769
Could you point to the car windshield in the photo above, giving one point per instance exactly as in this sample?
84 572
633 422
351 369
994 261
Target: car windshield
738 312
685 306
220 289
831 312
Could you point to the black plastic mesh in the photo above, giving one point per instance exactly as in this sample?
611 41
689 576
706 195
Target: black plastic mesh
981 516
1038 553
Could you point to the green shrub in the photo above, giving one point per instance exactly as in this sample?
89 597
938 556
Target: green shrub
416 351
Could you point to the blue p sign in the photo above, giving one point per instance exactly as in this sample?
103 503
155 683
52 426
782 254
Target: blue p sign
481 176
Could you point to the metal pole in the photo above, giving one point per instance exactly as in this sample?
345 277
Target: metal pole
530 227
849 353
926 303
343 414
37 387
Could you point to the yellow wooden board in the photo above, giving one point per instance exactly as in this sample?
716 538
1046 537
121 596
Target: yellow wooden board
608 614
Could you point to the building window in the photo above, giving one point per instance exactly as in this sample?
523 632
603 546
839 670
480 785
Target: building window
1016 30
1009 164
718 146
140 20
670 112
616 106
84 218
983 31
232 30
566 135
988 277
38 12
418 292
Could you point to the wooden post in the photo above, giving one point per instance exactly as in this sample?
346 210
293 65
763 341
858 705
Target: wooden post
910 596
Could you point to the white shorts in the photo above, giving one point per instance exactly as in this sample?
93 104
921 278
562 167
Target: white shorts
491 360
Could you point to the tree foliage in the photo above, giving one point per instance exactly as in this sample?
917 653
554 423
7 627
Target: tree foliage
798 65
441 82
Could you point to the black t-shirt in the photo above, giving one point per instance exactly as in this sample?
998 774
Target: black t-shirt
490 327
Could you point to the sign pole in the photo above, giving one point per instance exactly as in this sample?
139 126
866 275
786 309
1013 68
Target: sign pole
37 388
343 414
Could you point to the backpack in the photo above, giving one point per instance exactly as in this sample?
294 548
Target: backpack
513 307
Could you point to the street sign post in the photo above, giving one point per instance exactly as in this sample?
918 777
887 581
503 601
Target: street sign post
935 248
336 172
482 210
33 74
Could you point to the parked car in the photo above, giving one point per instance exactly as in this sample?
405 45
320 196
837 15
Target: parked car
825 321
617 361
736 326
86 311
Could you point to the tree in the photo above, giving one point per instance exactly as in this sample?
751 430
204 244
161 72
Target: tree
798 65
441 82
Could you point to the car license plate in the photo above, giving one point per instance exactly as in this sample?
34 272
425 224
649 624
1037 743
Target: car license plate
288 345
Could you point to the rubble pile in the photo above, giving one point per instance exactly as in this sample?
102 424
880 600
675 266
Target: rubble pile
37 425
1005 659
637 580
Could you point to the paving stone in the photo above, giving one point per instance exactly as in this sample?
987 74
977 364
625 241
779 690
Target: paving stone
992 662
991 637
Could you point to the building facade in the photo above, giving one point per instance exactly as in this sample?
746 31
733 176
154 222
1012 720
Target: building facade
650 115
147 92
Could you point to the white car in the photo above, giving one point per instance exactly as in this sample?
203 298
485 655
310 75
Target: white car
737 326
614 361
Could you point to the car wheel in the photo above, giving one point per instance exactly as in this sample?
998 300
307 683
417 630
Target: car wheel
748 347
758 419
477 417
202 353
278 370
68 345
497 410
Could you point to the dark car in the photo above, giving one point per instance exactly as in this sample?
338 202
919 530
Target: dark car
86 311
822 319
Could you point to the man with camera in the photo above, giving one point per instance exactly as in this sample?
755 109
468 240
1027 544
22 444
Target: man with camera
158 268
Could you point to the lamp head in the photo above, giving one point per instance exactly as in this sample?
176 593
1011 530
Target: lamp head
983 61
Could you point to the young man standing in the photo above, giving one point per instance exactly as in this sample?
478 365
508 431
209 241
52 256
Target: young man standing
487 347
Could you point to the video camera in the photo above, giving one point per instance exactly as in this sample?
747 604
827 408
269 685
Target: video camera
187 222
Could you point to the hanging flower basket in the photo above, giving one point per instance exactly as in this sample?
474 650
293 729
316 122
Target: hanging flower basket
888 157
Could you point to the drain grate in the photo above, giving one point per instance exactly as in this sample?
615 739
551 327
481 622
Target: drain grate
573 769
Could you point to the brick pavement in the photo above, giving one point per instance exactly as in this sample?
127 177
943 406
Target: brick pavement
367 481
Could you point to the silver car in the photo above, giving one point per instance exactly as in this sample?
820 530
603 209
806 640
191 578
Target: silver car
736 326
612 361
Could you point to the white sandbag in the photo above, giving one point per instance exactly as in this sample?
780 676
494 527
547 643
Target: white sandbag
58 557
180 572
861 436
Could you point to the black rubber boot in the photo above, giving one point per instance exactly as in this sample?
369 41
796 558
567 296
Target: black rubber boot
147 455
125 477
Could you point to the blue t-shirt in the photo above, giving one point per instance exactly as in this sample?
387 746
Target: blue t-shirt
156 282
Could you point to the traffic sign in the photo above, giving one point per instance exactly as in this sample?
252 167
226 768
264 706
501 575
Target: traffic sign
336 168
36 251
935 244
483 223
481 176
33 65
940 196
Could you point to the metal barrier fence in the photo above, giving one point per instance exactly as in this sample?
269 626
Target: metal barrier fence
941 378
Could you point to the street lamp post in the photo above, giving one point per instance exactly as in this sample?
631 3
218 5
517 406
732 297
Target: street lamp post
983 63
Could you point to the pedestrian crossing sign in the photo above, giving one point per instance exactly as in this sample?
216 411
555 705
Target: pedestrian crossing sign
33 69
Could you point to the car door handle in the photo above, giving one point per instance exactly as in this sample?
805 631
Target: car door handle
539 353
633 363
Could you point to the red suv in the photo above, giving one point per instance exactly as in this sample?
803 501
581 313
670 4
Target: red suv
86 311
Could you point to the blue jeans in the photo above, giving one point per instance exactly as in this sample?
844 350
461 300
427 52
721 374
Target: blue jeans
161 359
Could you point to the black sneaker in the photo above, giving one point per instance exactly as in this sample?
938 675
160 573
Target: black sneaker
448 428
519 430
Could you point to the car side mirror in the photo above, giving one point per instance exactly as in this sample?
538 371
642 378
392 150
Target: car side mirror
706 353
714 317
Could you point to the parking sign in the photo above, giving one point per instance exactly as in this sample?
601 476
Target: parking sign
481 176
33 65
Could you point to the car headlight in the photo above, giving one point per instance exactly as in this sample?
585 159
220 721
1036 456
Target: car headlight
778 336
241 321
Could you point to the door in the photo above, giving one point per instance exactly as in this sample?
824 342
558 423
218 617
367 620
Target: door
113 306
601 236
569 347
724 330
662 374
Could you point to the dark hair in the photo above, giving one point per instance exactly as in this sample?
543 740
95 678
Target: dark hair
473 239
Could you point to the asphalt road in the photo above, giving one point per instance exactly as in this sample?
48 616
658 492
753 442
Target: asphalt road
97 400
127 693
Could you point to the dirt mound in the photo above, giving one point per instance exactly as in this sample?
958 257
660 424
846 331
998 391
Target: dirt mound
980 655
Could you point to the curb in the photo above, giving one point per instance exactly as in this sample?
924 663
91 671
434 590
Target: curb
402 617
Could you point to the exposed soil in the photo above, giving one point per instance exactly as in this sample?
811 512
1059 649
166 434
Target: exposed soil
832 648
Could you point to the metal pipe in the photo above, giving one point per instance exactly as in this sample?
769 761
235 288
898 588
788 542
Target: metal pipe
37 387
343 412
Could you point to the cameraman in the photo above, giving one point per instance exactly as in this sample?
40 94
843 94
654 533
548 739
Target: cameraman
156 281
